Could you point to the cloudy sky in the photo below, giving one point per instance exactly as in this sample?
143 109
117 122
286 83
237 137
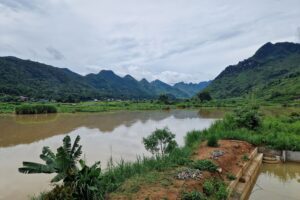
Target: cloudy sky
173 40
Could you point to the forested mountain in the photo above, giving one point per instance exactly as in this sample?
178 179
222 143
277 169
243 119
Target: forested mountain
272 73
192 88
40 81
36 80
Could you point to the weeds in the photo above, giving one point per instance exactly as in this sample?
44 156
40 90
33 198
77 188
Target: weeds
212 141
230 176
245 157
205 165
194 195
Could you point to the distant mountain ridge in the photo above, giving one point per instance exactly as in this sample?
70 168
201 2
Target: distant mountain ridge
192 88
272 73
36 80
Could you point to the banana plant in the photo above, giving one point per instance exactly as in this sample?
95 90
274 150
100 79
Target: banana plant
63 163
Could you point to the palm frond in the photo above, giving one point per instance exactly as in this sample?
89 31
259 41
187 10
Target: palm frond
75 145
77 153
58 178
47 151
67 144
33 168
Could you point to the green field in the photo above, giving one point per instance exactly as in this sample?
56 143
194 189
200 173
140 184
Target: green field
104 106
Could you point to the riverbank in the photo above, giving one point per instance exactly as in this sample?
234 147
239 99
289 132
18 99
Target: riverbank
105 106
246 124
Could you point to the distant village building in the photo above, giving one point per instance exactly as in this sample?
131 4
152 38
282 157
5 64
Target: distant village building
23 98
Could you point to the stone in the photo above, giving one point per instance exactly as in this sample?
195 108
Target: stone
216 154
189 173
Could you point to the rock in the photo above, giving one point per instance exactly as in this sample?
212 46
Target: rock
219 170
189 174
216 154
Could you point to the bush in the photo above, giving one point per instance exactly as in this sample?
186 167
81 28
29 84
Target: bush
247 117
215 189
221 193
160 142
35 109
194 195
205 165
230 176
192 138
245 157
212 141
208 187
204 96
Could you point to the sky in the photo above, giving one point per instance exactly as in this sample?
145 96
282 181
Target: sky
170 40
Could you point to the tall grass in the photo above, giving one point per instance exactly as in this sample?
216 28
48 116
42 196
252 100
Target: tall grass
280 133
35 109
118 173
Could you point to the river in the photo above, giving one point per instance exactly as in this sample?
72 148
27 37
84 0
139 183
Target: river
103 135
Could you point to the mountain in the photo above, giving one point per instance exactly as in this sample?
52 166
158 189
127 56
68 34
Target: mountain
163 88
33 79
191 88
116 86
40 81
272 73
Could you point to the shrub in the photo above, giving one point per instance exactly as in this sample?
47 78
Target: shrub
193 138
205 165
208 187
160 142
221 193
35 109
247 117
194 195
230 176
204 96
245 157
212 141
215 189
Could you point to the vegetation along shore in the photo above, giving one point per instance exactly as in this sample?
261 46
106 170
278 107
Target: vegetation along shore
129 179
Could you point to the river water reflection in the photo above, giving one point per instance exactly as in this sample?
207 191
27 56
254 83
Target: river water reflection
277 182
117 134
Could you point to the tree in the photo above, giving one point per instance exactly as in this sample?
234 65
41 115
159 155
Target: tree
204 96
247 117
163 98
160 142
63 162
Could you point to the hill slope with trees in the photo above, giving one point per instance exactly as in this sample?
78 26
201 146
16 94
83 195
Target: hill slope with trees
272 73
40 81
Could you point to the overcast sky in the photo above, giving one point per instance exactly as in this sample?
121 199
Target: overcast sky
173 40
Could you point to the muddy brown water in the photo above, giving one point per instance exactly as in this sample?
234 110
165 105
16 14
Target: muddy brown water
277 182
117 134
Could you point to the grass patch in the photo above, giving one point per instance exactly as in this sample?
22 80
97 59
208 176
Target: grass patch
35 109
204 165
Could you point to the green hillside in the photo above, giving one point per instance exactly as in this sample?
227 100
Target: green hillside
192 88
272 73
40 81
35 80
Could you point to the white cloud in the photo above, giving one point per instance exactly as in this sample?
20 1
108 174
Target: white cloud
172 40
